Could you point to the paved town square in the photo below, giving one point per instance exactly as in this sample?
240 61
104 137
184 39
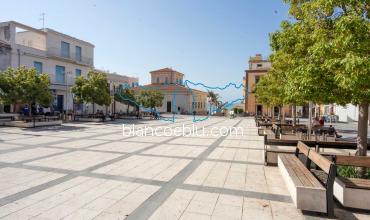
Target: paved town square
92 171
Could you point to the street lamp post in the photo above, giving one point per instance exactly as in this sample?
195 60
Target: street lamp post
66 84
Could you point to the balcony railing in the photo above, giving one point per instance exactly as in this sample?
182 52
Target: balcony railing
56 52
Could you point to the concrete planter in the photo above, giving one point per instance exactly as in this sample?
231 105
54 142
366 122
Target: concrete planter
92 119
351 197
23 124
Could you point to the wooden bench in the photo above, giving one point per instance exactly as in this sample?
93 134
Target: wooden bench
307 192
352 192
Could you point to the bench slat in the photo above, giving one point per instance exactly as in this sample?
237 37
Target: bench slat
304 149
358 161
356 183
320 161
299 173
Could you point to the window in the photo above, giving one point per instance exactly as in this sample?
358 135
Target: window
78 53
60 73
166 80
38 66
259 64
157 79
257 78
78 72
65 49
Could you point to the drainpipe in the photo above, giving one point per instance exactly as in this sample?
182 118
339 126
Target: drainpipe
19 57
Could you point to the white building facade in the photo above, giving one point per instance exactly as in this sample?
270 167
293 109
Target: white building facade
61 56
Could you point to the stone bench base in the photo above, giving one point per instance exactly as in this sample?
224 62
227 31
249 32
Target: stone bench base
23 124
304 198
351 197
92 119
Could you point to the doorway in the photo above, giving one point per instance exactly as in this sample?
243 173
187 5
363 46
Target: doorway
276 111
169 106
259 109
60 100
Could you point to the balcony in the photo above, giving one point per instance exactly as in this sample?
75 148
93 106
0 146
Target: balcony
57 53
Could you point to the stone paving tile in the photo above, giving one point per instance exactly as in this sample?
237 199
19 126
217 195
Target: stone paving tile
6 146
37 140
6 136
193 141
111 137
176 150
77 160
121 146
77 134
13 180
230 154
239 143
187 204
146 167
81 198
219 174
80 143
28 154
207 177
149 139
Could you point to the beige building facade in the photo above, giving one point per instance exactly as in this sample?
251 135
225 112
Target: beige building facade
258 67
177 97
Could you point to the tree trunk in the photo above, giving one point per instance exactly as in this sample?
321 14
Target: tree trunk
93 108
282 115
363 116
294 115
30 110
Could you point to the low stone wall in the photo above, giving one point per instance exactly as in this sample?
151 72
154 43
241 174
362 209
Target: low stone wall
23 124
92 119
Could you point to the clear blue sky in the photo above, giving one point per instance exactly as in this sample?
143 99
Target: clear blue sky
208 40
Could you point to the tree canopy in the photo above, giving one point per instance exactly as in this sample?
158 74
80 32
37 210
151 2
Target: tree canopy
150 98
25 86
126 96
93 89
322 55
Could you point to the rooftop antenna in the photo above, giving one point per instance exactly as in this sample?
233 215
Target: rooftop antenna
43 20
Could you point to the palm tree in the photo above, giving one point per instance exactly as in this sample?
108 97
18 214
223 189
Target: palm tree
213 98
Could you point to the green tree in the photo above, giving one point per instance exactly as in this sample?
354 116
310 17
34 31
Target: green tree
126 96
327 48
150 98
93 89
214 100
8 87
270 90
26 86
